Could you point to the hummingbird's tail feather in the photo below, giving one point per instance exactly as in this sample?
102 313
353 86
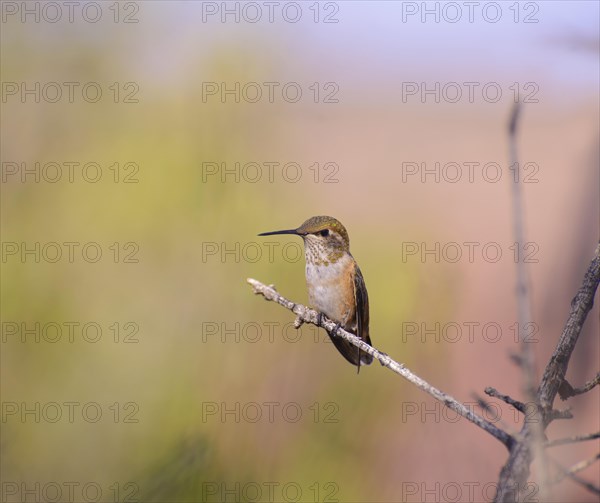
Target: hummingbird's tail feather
365 358
351 352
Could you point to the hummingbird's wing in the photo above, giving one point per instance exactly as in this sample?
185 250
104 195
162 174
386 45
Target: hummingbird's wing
361 298
358 324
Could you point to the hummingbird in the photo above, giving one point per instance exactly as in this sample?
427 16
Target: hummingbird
335 284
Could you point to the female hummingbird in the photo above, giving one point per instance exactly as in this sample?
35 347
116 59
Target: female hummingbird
335 284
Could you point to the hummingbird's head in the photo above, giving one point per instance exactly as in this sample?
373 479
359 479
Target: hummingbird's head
323 237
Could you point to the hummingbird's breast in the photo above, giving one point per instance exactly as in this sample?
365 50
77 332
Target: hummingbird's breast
331 287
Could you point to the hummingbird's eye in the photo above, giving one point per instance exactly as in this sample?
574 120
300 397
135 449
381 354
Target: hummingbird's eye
324 232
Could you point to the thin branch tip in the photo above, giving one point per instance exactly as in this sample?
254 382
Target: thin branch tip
520 406
514 118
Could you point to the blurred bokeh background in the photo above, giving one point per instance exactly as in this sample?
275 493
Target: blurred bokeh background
204 391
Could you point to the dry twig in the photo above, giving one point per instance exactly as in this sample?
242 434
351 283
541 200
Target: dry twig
516 470
307 315
572 440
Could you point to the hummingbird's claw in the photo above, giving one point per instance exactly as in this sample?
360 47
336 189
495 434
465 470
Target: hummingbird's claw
336 328
298 322
384 354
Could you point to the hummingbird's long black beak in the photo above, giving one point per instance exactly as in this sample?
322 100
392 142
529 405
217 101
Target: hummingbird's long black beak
289 231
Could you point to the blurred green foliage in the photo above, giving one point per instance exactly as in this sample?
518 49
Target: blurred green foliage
173 371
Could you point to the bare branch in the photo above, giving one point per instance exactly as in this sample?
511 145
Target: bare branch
559 414
529 443
570 472
516 469
566 390
582 465
525 359
582 303
486 406
572 440
520 406
588 485
307 315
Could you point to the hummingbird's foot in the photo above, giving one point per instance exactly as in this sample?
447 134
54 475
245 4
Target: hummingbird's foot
384 354
320 319
336 328
298 322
